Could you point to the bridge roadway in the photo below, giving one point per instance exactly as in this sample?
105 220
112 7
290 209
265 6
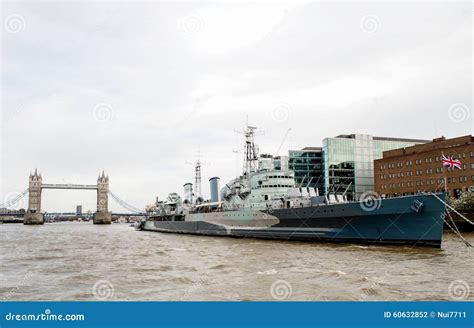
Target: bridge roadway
68 186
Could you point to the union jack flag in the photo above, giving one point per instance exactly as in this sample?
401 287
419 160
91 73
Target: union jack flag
450 162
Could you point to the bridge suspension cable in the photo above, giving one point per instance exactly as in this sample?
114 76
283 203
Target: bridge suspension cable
125 205
14 201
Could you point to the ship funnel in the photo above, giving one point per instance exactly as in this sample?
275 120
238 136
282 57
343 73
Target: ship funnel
214 184
188 193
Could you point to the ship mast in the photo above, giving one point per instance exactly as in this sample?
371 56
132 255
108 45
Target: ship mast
251 151
197 169
197 174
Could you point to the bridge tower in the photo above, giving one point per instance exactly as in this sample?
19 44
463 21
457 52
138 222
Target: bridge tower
102 216
33 215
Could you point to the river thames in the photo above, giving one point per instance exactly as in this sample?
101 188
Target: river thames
82 261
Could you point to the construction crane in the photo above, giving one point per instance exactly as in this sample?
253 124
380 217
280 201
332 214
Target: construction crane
283 141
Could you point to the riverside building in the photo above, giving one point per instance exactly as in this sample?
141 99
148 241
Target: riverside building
419 168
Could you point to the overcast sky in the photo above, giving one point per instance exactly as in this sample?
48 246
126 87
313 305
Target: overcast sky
136 89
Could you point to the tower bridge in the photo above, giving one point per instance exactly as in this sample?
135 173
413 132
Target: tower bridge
34 215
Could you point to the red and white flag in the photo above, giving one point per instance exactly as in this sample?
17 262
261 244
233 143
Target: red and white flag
451 162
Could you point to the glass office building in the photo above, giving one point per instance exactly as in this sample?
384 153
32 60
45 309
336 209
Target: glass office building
308 167
348 161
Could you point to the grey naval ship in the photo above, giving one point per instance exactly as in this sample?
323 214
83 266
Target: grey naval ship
267 203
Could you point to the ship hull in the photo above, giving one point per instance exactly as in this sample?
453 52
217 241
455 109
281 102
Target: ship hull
411 220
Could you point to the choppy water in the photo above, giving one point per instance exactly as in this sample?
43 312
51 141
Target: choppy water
82 261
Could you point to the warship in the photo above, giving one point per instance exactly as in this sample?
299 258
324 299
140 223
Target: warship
265 202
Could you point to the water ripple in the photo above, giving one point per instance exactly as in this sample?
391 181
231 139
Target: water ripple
64 261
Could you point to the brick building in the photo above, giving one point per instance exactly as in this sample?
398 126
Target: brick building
418 168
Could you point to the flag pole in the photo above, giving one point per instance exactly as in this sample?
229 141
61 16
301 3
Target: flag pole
445 179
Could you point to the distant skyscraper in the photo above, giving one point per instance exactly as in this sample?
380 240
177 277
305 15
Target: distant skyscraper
79 210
